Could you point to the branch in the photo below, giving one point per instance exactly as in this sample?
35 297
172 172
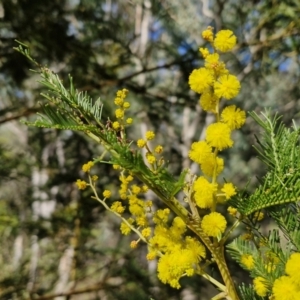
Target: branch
72 292
24 113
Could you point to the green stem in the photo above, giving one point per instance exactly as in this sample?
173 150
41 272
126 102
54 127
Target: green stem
220 286
218 256
235 225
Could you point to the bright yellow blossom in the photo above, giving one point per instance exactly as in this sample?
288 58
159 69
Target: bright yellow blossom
87 167
136 210
204 191
212 61
119 113
260 286
204 52
119 101
129 121
158 149
122 93
218 136
178 227
129 178
200 80
208 34
81 184
284 288
146 232
150 135
107 194
227 86
248 261
213 224
233 117
150 158
229 190
232 211
208 101
126 105
133 244
117 207
161 216
125 229
135 189
195 246
141 143
173 265
212 165
199 151
141 220
116 125
292 266
225 40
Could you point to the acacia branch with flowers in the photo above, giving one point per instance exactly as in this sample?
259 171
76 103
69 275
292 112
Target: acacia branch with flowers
167 232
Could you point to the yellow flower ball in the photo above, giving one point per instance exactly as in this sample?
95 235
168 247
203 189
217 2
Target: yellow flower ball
116 125
141 143
107 194
208 34
260 286
129 121
234 117
204 52
119 113
150 135
208 101
200 80
248 261
204 191
213 224
227 86
229 190
119 101
81 184
158 149
199 151
284 288
232 211
210 163
218 136
292 266
225 40
87 167
133 244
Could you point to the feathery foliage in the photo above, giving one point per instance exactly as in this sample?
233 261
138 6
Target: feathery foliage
278 149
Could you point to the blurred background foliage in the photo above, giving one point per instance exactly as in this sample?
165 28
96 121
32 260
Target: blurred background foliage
57 243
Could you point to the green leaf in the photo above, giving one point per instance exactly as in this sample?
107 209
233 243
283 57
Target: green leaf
279 149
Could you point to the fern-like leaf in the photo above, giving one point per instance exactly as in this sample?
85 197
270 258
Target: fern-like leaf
279 150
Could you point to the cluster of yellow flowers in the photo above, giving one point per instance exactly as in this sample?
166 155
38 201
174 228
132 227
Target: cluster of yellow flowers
150 156
179 254
286 287
120 111
81 184
137 207
214 82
